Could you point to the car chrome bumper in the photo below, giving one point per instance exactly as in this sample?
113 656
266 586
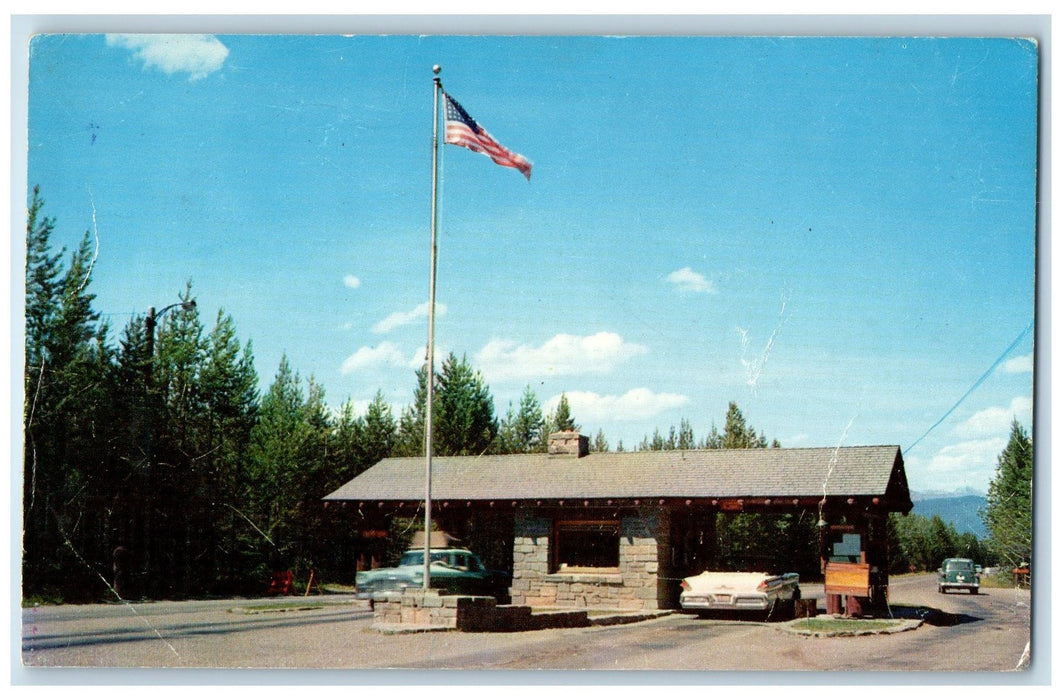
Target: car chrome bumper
735 603
378 593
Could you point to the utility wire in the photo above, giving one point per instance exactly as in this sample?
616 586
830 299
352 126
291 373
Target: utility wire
976 384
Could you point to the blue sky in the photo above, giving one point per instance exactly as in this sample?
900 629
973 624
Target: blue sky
837 234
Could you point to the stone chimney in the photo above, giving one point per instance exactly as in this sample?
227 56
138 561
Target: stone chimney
568 444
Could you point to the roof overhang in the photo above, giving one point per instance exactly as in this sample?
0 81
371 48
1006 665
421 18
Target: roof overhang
728 480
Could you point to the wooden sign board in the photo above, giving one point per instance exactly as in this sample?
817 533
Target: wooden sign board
847 579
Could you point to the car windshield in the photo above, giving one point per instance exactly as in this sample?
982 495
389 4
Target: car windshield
959 566
411 559
416 558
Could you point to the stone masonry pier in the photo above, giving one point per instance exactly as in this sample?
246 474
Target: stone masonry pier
428 611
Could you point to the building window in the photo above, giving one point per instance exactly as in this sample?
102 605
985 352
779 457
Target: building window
586 544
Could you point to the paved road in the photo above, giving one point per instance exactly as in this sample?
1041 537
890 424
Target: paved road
987 632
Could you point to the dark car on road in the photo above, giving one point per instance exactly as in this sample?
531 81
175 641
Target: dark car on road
958 573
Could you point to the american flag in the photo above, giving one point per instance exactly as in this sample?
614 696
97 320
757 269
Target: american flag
462 130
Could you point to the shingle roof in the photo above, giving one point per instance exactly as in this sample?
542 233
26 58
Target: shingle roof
774 472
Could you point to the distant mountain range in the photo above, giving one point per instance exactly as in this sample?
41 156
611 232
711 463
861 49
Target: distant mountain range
960 509
964 491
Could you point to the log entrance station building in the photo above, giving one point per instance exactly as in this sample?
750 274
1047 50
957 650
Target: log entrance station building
622 529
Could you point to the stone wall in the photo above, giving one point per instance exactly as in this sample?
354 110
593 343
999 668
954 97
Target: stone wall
639 583
430 610
531 536
427 611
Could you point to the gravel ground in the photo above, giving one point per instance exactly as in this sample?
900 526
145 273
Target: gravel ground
987 632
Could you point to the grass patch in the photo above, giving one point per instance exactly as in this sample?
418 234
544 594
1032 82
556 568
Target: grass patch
38 600
843 624
336 588
1000 580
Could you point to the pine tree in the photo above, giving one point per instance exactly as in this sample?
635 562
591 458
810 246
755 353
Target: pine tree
918 543
714 441
561 419
42 284
464 415
66 449
654 444
941 540
179 483
1008 509
522 430
377 432
685 440
738 435
529 422
600 444
316 474
274 453
506 442
410 441
229 386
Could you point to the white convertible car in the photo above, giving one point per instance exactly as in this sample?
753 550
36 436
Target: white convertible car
725 590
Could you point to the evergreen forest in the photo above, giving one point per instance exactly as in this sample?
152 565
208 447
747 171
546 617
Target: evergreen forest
154 461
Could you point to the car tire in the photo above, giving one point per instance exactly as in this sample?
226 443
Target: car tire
791 606
783 609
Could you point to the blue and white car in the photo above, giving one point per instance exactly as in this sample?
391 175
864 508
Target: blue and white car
453 572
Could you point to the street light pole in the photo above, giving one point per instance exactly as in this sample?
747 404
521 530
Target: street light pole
152 321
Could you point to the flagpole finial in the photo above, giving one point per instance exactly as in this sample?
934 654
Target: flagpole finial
436 69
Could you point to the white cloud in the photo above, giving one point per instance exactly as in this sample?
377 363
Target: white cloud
971 463
562 354
404 318
199 55
419 358
351 281
1019 365
689 281
636 404
360 407
386 353
994 422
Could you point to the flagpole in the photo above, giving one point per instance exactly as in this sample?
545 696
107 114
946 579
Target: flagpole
428 431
